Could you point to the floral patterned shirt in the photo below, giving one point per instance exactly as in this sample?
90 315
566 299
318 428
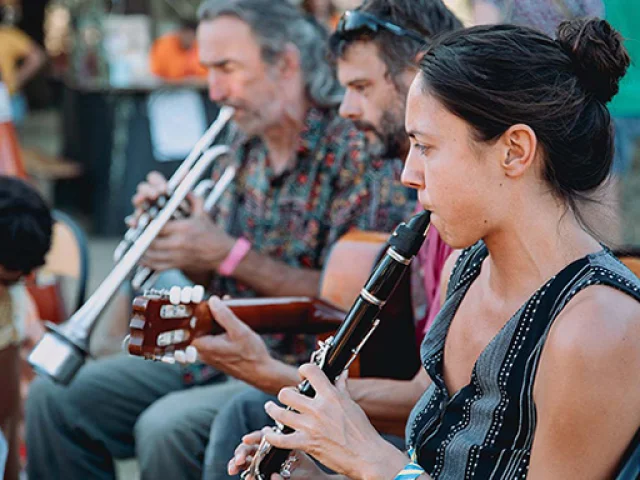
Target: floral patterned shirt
297 215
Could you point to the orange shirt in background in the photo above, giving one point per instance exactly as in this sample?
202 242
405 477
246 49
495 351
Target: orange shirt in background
170 60
14 46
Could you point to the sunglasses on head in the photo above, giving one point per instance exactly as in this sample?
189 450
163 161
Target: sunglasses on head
354 20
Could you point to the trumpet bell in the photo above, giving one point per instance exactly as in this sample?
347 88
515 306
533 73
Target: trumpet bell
56 356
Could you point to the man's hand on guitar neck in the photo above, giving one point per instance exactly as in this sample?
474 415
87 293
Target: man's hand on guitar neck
241 353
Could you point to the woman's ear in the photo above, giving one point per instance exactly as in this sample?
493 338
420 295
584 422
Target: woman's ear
520 144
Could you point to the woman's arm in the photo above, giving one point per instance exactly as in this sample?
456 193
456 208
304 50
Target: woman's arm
587 392
334 430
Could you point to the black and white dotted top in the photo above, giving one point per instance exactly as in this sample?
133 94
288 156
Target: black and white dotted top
486 429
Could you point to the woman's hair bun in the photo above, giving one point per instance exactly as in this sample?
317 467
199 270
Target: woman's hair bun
599 58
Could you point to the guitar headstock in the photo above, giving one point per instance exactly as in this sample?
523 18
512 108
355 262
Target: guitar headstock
165 322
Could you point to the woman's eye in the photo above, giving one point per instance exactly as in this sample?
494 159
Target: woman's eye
423 149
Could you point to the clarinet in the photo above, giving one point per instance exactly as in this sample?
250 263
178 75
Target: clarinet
336 354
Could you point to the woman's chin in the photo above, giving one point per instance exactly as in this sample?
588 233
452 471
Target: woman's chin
455 239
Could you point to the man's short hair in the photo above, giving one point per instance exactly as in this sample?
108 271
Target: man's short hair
429 18
25 226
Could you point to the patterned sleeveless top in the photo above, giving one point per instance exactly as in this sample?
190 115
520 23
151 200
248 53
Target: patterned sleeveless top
486 429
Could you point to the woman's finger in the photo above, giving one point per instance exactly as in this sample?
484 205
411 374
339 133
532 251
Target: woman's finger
316 377
290 441
253 437
341 383
286 417
292 398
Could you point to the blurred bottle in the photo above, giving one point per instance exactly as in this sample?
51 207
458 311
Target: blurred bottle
10 157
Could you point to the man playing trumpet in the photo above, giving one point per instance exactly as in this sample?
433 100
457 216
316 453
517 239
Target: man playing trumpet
301 182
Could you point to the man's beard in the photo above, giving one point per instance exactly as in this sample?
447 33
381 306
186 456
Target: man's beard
391 138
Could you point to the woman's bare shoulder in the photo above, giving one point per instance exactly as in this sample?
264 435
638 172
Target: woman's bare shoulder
598 330
599 318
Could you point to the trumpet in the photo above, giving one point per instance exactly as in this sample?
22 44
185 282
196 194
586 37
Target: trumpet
132 234
64 348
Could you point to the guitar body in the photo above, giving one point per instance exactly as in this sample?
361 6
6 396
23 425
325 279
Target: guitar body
158 327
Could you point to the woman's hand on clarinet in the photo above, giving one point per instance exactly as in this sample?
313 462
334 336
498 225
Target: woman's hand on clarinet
333 429
302 468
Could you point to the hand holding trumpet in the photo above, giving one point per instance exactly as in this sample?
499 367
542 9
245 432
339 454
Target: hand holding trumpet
193 244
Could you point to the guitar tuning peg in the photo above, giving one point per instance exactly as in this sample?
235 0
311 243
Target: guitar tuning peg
191 354
168 359
180 356
185 295
125 344
197 294
175 295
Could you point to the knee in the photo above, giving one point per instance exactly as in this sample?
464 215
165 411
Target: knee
43 401
244 415
158 429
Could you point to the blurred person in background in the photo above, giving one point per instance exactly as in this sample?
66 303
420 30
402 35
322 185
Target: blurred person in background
25 239
624 15
174 56
20 60
544 15
324 11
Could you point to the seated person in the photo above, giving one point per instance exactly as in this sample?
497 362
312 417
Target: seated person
519 363
301 183
174 56
25 238
376 81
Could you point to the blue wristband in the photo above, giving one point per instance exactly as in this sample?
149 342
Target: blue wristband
410 472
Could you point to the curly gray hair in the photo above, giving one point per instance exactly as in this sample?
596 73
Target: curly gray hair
276 24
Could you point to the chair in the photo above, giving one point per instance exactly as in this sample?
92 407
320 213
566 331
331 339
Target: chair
630 465
68 259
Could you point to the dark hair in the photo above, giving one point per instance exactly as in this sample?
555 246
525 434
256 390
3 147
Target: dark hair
25 226
188 24
427 17
494 77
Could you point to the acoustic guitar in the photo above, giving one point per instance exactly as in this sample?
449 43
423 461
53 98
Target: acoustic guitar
161 327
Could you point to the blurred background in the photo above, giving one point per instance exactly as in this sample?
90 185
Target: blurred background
100 92
95 108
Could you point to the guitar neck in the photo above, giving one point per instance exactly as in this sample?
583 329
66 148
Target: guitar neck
275 315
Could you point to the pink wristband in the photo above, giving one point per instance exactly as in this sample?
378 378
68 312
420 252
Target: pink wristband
237 253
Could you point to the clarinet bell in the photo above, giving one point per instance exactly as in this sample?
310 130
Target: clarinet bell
57 357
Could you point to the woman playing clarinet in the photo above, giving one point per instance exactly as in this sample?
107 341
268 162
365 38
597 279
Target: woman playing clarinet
532 364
